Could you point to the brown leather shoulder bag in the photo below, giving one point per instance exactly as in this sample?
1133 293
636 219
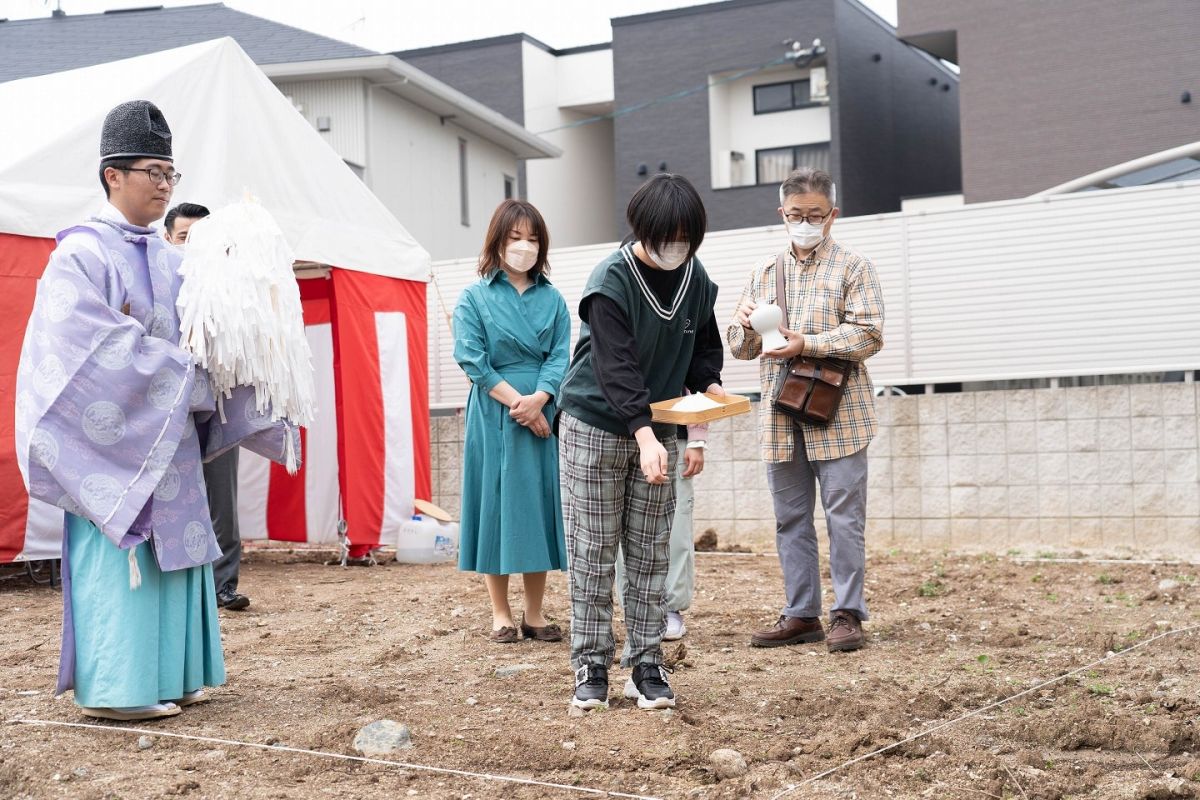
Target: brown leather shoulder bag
809 389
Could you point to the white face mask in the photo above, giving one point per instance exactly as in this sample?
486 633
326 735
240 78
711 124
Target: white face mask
520 256
672 255
805 235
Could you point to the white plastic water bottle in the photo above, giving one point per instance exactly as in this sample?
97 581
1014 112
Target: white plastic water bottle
425 540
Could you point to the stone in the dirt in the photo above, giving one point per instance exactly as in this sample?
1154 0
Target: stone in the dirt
675 655
1168 586
707 541
1167 789
513 669
145 743
575 711
382 737
568 745
727 763
780 752
471 701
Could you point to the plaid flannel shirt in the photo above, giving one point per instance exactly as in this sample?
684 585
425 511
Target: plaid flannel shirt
835 300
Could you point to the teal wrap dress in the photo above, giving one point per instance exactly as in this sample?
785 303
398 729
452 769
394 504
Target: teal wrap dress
511 518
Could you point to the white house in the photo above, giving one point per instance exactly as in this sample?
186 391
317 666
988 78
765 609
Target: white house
439 160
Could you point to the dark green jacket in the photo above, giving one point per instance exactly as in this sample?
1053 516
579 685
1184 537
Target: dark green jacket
665 336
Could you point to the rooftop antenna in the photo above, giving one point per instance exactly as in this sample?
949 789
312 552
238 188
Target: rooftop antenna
57 12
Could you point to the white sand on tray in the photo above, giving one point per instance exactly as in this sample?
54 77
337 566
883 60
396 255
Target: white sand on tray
695 402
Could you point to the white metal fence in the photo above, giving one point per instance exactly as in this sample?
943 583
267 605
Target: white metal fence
1094 283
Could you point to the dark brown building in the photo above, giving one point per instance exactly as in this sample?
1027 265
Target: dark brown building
1051 90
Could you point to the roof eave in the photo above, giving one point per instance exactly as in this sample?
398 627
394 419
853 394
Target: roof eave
425 91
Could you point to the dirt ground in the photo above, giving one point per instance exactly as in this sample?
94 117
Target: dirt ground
325 650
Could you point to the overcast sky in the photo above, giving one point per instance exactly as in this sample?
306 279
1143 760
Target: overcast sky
403 24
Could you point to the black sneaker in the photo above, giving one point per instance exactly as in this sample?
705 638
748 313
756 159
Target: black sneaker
591 687
649 686
229 599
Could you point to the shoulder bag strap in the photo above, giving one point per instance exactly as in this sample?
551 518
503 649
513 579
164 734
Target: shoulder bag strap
781 289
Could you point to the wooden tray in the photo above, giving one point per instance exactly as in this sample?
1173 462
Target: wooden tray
731 406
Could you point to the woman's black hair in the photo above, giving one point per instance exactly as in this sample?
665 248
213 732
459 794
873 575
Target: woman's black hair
506 217
665 209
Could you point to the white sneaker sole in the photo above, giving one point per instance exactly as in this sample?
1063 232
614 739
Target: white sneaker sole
632 693
588 705
674 637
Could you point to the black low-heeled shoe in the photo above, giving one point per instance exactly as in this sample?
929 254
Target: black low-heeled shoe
546 633
505 635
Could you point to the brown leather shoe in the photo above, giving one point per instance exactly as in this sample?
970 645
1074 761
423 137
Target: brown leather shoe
845 632
789 630
546 633
505 635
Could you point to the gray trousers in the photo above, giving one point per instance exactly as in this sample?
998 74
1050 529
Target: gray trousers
843 484
220 478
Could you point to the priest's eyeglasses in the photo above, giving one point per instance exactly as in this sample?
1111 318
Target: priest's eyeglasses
155 174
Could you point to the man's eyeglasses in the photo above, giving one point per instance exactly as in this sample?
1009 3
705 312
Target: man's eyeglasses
155 174
812 219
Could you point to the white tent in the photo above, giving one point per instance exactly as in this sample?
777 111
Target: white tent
233 132
367 451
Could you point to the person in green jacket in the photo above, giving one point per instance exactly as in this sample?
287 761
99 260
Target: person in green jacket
647 331
512 335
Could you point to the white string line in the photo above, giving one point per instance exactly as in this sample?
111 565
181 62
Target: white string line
1064 560
1024 560
734 553
977 711
254 548
325 754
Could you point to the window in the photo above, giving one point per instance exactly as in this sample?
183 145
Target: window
772 97
463 206
510 190
773 165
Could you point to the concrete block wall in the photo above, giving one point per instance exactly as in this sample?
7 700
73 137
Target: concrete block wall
1109 468
1097 468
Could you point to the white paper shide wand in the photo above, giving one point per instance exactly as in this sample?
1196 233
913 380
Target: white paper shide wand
240 314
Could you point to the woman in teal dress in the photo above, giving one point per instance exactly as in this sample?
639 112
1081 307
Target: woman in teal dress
512 336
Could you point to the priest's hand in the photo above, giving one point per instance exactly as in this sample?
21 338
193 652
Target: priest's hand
793 348
693 461
654 458
528 408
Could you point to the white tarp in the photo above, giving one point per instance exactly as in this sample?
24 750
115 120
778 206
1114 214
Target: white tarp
232 132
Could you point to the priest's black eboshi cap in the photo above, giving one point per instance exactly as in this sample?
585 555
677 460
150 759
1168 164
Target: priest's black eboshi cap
136 129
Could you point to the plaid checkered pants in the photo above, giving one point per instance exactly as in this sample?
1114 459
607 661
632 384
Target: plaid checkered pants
606 502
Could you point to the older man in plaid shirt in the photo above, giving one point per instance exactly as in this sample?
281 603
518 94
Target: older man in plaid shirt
835 310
